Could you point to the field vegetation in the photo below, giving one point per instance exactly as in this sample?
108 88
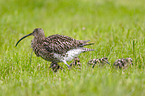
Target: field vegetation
117 27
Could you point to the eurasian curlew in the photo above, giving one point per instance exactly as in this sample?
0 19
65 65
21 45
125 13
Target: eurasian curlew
56 48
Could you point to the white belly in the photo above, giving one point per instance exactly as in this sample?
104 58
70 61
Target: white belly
71 54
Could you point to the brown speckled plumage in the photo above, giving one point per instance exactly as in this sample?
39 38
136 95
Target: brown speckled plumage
101 62
47 47
55 44
123 63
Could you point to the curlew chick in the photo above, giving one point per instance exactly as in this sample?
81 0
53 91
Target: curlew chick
76 62
55 66
123 63
56 48
101 62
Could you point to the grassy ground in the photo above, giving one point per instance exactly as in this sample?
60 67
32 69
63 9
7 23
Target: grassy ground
115 26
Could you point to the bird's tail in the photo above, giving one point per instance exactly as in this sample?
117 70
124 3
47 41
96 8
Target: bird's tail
85 43
87 49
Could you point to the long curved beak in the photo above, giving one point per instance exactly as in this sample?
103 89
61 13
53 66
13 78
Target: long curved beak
23 38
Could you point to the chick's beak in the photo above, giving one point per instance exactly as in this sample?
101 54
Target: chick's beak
107 62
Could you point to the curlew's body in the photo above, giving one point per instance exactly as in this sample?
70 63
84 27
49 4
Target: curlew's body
101 62
56 48
123 63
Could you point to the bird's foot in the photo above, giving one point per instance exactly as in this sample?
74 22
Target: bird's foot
66 64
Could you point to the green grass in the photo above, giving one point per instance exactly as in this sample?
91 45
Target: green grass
115 26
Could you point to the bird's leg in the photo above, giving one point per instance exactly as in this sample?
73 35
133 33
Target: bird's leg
66 63
31 56
72 64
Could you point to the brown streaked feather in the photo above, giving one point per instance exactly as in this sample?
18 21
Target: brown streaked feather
85 43
61 44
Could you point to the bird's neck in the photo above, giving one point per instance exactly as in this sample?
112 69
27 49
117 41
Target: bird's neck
39 39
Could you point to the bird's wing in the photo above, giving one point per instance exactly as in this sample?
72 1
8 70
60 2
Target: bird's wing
61 44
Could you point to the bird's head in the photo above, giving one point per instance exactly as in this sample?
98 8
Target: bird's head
104 60
129 60
37 33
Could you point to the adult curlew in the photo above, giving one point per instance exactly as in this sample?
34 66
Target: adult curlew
56 48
